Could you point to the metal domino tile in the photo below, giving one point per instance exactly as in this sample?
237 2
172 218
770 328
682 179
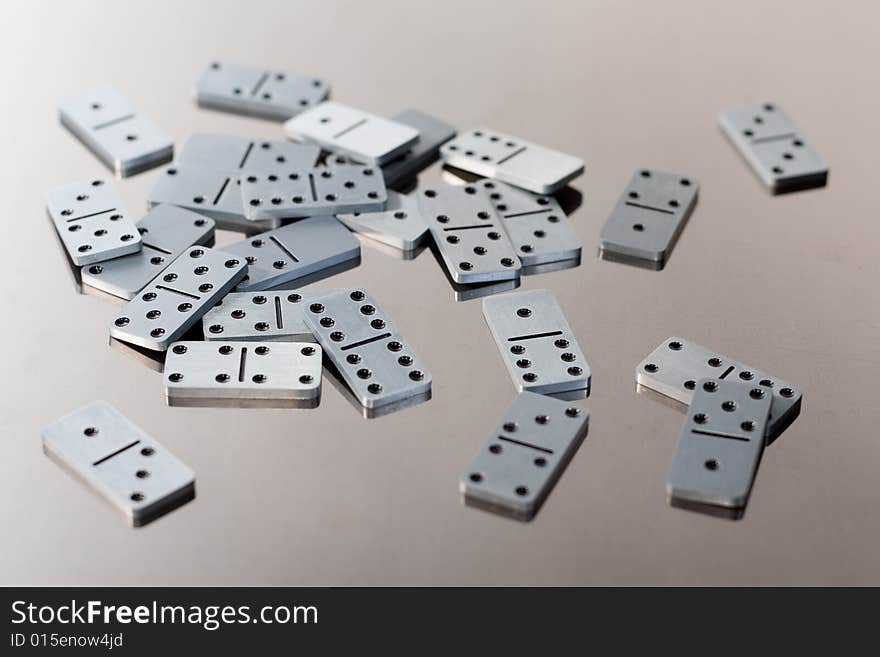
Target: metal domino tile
536 342
773 146
535 224
721 443
212 193
375 362
433 133
258 92
285 192
363 136
512 160
468 292
399 225
119 461
177 298
468 234
242 370
91 222
231 154
676 365
122 138
262 316
514 472
165 232
649 217
302 249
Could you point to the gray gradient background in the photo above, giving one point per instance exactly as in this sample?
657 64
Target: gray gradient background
788 284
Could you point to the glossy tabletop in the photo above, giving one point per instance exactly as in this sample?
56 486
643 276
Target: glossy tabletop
324 496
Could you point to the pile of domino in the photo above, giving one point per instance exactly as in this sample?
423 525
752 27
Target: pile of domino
234 326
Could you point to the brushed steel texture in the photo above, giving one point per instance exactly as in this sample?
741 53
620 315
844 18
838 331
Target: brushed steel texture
535 224
517 467
212 193
258 92
433 133
261 316
512 160
784 283
283 192
277 371
773 146
125 140
399 225
648 218
229 153
287 255
675 366
119 461
365 137
721 443
177 298
91 221
363 344
536 342
468 234
165 231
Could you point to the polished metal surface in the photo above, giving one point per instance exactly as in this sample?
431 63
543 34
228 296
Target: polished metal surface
647 220
525 455
400 224
373 359
286 371
232 154
774 147
166 231
535 224
104 449
721 443
433 133
535 341
360 135
676 365
213 193
91 222
468 234
177 298
282 192
122 138
267 94
260 316
512 160
309 248
324 497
